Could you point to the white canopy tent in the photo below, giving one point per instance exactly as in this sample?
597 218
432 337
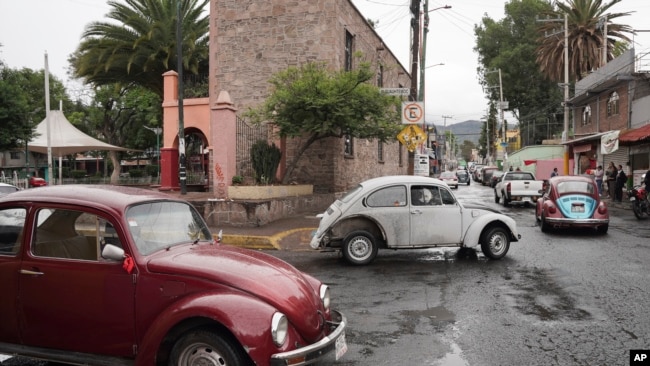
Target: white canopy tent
65 139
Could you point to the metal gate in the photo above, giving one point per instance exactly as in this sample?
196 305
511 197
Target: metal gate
247 135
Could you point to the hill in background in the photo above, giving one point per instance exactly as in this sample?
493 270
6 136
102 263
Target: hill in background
467 130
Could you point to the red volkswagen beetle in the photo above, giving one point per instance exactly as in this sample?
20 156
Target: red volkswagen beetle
109 275
571 201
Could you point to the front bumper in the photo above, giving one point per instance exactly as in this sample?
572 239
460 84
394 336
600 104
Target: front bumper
333 346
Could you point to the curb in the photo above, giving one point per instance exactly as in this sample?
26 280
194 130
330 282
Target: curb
260 242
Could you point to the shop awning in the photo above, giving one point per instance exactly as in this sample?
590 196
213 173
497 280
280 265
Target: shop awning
635 135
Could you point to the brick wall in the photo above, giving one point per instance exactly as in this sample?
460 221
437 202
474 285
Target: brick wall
251 40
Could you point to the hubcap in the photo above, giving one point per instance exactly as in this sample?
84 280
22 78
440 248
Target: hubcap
201 355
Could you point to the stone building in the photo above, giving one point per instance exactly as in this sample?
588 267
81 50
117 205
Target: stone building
251 40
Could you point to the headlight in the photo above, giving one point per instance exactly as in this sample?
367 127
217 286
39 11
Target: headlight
279 327
325 296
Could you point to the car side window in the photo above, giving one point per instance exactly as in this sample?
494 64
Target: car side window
447 197
66 234
12 222
394 196
425 196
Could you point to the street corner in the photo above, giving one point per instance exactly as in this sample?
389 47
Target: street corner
294 240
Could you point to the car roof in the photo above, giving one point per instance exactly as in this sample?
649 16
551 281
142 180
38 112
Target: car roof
570 178
7 185
116 197
395 179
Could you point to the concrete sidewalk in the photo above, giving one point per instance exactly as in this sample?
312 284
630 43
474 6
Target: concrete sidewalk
291 233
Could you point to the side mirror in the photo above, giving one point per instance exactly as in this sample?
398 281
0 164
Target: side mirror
112 252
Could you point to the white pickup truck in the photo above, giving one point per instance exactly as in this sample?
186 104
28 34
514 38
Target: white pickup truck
517 186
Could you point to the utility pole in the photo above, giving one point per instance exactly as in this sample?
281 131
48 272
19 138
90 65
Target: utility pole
182 173
447 158
565 134
415 47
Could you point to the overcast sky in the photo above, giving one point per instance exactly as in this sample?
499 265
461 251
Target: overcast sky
29 28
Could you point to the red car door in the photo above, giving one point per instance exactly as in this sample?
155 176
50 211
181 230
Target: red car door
77 304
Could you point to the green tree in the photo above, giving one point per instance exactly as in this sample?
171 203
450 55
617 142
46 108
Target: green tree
466 150
509 45
22 103
312 102
140 45
586 19
117 115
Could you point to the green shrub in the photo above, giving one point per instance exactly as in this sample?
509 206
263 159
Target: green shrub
265 159
152 170
78 174
237 179
136 173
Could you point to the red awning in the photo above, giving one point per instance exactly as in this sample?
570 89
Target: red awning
635 135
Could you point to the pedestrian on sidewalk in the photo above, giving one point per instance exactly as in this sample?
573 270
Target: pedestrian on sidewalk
554 173
621 181
611 180
599 179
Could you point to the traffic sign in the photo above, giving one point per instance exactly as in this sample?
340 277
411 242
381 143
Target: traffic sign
412 113
412 136
396 91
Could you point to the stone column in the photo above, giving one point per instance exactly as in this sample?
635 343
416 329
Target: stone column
223 133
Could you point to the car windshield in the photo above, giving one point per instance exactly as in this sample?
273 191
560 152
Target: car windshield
575 187
159 225
447 175
7 189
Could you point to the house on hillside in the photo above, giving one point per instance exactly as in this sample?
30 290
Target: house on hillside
250 41
611 117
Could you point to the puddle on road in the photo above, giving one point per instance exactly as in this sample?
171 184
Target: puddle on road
453 358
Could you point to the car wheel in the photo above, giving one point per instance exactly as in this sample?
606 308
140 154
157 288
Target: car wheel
603 229
496 197
467 182
359 247
543 224
495 243
206 348
506 201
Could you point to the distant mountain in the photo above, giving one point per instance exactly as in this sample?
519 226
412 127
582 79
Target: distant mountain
467 130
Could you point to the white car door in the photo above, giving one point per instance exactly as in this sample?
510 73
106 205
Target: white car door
435 217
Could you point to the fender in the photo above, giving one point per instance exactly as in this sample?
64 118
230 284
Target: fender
227 308
473 232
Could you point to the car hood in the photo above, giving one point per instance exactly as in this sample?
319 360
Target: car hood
261 275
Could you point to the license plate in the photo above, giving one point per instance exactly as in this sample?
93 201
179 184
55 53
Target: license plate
577 209
632 198
341 346
526 199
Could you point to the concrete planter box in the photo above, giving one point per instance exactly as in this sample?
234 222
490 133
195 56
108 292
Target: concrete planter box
266 192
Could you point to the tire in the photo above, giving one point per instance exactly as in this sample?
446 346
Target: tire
496 197
544 225
359 247
207 348
603 229
495 243
506 201
468 182
636 207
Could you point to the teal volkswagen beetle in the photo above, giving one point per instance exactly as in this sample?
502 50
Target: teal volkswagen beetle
571 201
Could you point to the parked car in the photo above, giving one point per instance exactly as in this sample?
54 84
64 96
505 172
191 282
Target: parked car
476 173
109 275
518 187
450 178
486 174
406 212
37 182
463 177
571 201
6 188
495 178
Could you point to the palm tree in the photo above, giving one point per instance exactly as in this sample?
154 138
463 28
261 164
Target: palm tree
141 44
586 33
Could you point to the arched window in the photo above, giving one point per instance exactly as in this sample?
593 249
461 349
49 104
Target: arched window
612 104
586 115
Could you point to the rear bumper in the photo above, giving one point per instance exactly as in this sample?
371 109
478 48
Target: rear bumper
565 222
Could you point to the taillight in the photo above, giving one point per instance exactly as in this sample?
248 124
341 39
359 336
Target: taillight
602 209
552 209
508 187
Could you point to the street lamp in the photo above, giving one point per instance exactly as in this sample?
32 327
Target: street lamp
440 64
157 131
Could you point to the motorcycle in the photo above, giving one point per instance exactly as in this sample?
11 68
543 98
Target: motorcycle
640 204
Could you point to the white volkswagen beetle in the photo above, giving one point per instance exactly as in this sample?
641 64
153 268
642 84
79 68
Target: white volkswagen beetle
407 212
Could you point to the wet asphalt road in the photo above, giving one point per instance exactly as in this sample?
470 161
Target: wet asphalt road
565 298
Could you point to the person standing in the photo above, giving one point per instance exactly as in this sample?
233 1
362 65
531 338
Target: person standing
611 180
599 179
554 173
621 181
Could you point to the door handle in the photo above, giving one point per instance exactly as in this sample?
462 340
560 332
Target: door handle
33 273
416 212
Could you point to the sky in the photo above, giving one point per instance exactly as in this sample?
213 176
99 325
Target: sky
30 28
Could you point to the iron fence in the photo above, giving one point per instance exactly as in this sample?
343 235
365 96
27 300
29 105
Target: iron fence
247 135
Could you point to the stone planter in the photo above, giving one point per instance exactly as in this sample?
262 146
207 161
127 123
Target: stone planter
267 192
